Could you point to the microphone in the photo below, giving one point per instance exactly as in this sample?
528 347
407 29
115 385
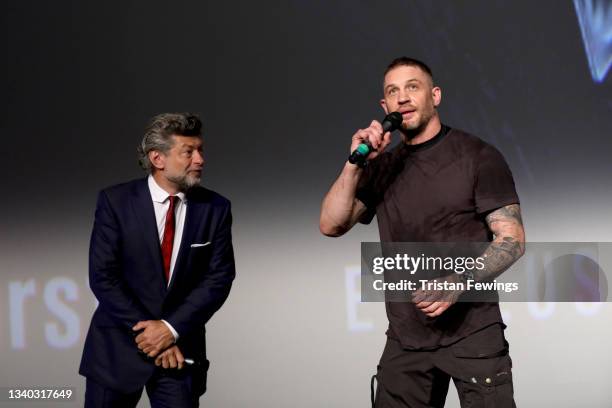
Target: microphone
390 123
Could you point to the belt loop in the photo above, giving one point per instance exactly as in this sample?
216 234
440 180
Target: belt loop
372 391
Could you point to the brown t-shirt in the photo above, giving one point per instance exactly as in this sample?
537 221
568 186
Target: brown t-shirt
437 191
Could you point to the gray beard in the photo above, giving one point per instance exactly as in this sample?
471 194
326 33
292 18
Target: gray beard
185 182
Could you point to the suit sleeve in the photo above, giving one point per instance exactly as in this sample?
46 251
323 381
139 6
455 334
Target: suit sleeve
105 274
212 291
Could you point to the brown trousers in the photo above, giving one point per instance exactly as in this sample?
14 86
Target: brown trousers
479 365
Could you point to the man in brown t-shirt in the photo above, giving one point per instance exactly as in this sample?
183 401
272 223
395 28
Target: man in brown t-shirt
439 185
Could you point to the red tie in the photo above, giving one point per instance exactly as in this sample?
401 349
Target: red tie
168 240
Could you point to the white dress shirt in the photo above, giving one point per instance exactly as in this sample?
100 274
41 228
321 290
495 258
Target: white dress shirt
161 205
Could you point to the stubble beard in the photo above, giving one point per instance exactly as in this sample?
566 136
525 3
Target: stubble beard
411 131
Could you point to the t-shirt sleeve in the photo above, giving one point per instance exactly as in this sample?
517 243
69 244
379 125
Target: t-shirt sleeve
366 192
494 182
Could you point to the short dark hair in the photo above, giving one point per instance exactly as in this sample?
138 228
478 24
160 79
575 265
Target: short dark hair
410 62
159 131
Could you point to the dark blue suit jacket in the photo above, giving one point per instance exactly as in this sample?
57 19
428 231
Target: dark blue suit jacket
126 276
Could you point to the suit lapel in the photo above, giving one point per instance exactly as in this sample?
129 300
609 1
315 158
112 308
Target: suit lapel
193 218
145 213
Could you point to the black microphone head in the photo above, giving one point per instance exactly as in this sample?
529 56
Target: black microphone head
392 122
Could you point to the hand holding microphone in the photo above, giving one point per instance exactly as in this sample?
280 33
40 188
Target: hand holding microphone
370 142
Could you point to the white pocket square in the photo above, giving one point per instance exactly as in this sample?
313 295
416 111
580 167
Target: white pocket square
200 245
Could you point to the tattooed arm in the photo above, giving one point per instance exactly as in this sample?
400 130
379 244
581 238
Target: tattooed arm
508 244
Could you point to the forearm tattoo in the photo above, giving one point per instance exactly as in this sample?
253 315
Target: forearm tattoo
507 246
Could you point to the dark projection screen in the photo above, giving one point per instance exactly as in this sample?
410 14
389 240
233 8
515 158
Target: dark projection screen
281 88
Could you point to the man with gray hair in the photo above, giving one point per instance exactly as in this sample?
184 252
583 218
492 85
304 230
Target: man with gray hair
161 263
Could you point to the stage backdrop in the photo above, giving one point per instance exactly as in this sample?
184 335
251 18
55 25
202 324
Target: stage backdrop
282 86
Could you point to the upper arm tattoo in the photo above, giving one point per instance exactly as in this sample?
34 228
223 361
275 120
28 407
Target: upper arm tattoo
507 226
510 213
506 222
